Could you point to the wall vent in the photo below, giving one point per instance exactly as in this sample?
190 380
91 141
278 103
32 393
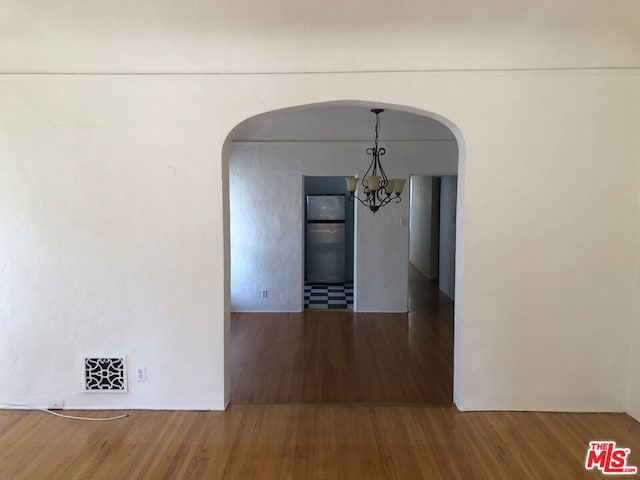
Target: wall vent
107 374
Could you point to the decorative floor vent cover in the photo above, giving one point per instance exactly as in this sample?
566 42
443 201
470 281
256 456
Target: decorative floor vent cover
105 374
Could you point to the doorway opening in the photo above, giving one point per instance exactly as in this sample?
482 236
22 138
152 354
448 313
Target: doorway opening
329 244
432 235
280 352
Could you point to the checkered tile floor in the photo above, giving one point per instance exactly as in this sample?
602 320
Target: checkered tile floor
323 296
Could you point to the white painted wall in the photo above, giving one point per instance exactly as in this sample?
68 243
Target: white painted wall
448 197
107 192
266 237
633 392
420 223
111 223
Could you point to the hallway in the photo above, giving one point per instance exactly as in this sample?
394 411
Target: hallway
342 357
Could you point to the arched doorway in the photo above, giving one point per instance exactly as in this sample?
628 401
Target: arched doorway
308 155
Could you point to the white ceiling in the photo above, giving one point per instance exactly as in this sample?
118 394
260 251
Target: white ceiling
340 123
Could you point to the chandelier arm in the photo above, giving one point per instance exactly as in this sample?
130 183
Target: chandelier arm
363 202
385 201
368 151
380 200
389 199
384 180
381 152
373 202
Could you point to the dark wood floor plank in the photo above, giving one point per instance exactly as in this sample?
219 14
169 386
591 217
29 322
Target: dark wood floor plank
310 441
342 357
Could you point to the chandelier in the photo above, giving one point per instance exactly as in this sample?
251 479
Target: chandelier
377 188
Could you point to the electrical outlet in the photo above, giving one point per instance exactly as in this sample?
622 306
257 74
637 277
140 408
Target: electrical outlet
55 405
141 374
265 293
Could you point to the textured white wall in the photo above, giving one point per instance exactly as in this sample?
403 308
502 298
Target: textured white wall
112 231
633 393
107 197
382 252
420 223
266 236
446 266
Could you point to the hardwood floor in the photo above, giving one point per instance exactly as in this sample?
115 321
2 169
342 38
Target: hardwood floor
342 357
309 442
